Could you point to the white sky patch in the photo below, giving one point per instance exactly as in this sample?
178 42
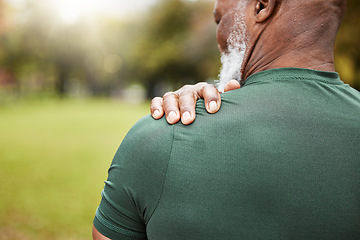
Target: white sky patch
69 11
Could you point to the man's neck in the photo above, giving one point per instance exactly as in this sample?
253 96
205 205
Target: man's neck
312 57
309 45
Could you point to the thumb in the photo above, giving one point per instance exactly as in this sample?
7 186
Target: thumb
231 85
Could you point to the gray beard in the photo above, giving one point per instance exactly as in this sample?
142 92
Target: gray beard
232 61
231 66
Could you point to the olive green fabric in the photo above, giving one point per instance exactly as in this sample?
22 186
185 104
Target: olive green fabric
281 160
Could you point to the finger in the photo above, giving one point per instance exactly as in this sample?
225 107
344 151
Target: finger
212 98
187 103
194 88
171 107
156 108
231 85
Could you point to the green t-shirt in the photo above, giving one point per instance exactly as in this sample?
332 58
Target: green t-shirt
280 160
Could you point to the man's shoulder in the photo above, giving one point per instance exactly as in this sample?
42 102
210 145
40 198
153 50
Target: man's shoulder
148 138
147 127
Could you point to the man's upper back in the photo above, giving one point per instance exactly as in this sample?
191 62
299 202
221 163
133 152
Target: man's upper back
279 161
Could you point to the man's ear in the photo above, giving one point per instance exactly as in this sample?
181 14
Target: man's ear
264 9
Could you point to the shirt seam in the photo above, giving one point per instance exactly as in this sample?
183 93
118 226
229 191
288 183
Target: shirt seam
118 229
167 167
282 77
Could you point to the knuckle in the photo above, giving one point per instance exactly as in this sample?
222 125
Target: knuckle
184 88
156 100
200 84
186 108
187 93
170 94
210 90
210 87
210 95
153 108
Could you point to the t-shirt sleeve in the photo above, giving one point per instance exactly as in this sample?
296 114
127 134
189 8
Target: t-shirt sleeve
135 180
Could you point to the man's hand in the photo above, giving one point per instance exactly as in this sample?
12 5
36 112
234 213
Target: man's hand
181 104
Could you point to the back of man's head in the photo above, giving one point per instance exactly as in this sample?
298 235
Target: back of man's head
298 16
274 31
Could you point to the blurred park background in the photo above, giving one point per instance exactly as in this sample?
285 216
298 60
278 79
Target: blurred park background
75 75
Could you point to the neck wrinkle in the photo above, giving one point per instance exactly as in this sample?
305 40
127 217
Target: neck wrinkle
313 57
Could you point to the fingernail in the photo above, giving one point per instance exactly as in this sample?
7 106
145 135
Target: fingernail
212 106
156 113
171 116
186 116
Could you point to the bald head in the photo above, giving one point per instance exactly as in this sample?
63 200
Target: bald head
320 16
282 33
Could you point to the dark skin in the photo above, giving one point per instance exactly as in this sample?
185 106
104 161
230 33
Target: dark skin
281 33
182 102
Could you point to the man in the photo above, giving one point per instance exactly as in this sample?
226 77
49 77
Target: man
279 161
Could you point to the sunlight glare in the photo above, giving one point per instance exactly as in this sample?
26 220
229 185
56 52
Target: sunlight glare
71 10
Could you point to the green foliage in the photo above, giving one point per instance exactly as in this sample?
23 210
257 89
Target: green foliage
54 158
171 44
177 45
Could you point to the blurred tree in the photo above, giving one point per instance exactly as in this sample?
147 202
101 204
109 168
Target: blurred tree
45 54
8 80
347 48
176 45
172 44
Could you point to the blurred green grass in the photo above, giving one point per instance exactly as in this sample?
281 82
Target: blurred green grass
54 157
